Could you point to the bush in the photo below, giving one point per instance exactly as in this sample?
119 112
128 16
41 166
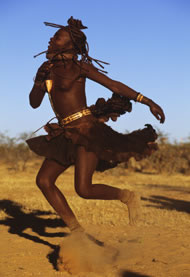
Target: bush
170 158
15 152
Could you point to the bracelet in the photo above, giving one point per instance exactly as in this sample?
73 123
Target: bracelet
139 97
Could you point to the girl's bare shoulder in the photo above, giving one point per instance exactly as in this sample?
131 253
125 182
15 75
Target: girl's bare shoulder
88 66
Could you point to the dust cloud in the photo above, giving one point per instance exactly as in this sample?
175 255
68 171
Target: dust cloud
82 253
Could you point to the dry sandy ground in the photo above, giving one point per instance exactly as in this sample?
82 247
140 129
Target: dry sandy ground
159 246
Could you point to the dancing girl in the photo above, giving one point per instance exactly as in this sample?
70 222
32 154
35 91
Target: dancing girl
81 137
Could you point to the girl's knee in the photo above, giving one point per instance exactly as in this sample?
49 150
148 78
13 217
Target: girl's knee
43 182
83 191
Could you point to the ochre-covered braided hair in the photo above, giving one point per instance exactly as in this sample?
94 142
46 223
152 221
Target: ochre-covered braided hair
78 38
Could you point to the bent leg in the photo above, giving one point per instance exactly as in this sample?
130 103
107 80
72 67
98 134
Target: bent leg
47 175
85 166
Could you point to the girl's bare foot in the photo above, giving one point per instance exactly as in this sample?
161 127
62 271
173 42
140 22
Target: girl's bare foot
132 200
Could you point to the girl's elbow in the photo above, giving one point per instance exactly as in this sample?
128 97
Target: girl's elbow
33 104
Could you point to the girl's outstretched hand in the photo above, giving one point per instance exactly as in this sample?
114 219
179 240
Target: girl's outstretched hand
157 112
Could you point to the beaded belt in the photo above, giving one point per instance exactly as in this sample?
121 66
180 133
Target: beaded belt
74 116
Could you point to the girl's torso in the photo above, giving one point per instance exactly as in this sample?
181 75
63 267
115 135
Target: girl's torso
68 87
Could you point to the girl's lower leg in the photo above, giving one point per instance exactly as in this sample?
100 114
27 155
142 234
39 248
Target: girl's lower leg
57 200
48 173
86 163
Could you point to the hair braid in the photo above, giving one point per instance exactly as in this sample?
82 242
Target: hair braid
79 40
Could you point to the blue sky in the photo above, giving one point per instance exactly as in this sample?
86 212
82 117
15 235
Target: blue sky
146 42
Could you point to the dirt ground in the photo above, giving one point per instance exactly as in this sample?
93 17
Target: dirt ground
159 246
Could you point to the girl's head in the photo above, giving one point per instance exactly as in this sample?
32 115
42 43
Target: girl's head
69 38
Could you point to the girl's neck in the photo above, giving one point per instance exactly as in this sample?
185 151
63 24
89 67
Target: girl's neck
67 54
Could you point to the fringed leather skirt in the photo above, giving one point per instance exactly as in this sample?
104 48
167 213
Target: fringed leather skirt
110 146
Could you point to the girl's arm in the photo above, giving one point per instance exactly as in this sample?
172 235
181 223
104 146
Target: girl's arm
92 73
36 95
39 89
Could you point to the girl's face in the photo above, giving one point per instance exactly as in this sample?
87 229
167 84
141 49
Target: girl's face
60 41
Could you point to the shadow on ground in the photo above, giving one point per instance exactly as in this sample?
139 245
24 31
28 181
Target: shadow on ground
162 202
127 273
18 221
53 256
169 188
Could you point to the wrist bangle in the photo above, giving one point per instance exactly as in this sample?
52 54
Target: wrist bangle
139 97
